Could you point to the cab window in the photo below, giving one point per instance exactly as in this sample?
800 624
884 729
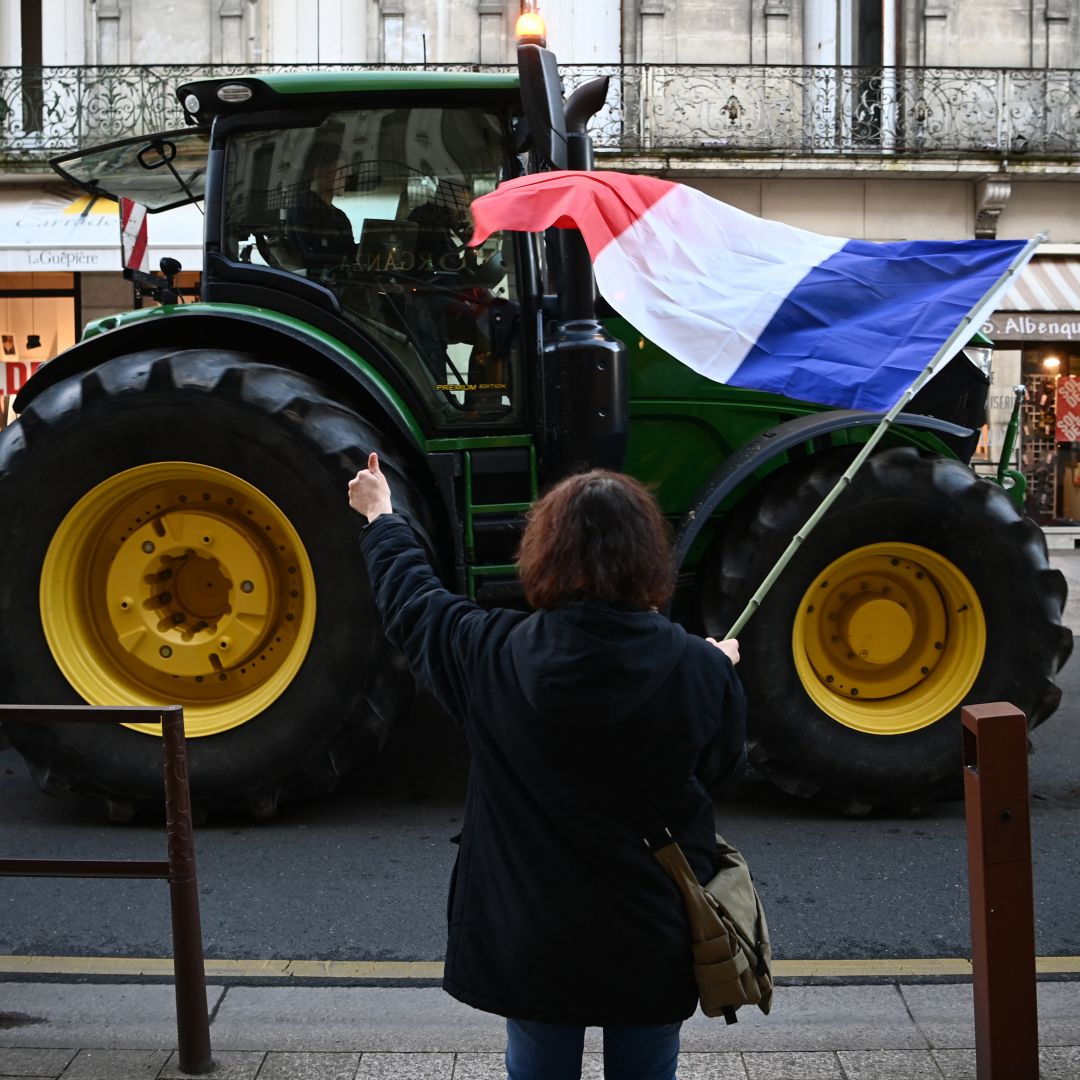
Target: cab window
374 204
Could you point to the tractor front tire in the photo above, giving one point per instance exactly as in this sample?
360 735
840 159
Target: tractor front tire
176 530
922 590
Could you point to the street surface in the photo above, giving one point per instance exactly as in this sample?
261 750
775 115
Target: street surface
364 876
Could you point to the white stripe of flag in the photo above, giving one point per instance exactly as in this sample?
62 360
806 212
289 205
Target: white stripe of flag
133 236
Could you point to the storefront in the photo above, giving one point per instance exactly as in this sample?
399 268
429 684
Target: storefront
60 266
38 316
1036 333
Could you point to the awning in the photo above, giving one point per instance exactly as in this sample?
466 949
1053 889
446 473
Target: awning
1047 284
1042 305
69 231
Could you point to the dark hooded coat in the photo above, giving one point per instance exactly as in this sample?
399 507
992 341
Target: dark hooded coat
582 722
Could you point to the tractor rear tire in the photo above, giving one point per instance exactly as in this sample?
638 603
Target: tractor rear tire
922 590
177 531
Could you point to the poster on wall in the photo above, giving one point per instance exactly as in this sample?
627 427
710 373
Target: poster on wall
13 376
1068 410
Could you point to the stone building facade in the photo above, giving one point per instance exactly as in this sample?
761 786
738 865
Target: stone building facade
875 119
906 33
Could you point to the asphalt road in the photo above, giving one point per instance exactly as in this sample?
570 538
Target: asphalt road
363 877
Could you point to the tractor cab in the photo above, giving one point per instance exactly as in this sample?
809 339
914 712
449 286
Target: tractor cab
371 205
355 219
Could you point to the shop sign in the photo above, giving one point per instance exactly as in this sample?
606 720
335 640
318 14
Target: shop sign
15 373
1041 326
1068 410
67 260
55 234
47 231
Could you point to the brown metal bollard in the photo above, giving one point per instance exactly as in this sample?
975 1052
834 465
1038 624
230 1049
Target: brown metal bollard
1000 886
192 1020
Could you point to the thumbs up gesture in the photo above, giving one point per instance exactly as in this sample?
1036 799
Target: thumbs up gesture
369 493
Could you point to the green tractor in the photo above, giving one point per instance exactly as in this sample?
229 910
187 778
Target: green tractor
181 532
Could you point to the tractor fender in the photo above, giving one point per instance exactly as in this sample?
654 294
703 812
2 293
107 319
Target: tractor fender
770 444
291 343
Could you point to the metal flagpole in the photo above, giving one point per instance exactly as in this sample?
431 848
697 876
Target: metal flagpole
978 312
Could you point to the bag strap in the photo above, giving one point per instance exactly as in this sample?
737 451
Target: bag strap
703 917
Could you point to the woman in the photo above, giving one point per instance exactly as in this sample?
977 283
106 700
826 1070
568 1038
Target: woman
591 722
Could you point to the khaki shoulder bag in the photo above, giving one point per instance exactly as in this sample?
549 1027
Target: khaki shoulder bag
732 956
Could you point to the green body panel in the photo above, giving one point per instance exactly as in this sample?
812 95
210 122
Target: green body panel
330 344
684 425
354 82
97 327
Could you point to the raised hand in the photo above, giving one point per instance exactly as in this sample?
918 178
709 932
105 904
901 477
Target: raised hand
369 493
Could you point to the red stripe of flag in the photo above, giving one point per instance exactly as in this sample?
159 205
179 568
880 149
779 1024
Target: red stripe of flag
599 204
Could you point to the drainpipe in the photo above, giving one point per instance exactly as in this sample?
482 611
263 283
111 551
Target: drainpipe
889 19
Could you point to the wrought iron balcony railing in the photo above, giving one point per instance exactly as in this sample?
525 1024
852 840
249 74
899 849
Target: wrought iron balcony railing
717 109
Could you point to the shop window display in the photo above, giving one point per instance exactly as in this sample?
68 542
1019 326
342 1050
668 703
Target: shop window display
1050 432
37 321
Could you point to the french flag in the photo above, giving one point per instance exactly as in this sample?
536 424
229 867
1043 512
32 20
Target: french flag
756 303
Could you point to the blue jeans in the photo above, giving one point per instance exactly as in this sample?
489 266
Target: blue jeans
553 1051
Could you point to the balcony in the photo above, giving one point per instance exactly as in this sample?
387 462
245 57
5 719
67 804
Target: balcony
825 117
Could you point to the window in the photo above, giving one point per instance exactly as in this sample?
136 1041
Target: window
374 204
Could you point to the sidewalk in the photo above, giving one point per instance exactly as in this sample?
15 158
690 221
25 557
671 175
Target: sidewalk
909 1031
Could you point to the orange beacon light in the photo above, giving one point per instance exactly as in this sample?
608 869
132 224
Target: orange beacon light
530 29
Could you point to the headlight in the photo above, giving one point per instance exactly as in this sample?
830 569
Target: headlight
233 93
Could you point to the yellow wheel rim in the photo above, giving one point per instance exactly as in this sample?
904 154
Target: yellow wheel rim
178 583
889 638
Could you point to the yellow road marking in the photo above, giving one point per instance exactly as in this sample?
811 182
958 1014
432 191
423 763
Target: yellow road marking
405 970
271 969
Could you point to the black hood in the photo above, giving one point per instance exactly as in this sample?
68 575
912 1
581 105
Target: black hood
588 660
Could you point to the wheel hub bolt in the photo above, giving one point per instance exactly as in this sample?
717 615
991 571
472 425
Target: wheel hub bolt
165 651
247 586
148 546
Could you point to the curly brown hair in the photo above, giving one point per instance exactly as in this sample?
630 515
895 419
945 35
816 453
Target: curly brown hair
598 534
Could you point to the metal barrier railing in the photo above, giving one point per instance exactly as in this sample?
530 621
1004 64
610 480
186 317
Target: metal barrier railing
192 1020
718 109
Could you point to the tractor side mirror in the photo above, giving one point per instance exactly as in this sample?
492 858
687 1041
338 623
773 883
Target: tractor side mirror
541 93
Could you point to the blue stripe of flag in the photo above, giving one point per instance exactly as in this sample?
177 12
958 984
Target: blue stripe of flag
859 327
